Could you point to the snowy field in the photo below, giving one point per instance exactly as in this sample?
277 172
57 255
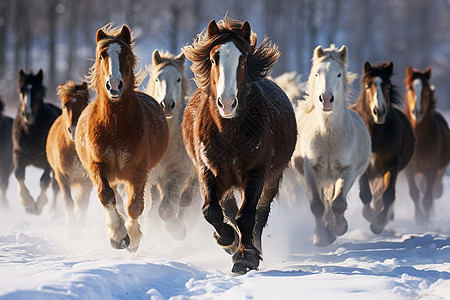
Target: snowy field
43 258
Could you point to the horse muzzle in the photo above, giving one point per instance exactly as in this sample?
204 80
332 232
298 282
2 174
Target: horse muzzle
28 118
114 88
71 130
327 100
379 115
168 106
227 106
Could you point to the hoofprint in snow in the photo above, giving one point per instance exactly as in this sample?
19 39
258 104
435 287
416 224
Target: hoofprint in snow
42 257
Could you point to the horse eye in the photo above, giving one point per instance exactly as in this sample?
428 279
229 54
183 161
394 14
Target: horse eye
157 80
64 107
128 58
339 75
178 79
100 57
317 74
368 86
212 61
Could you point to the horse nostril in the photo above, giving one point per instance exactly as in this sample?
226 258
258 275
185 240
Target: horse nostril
375 111
332 99
234 103
172 106
162 104
321 98
69 130
120 85
108 86
219 102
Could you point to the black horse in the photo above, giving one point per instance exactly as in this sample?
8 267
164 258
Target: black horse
30 129
6 161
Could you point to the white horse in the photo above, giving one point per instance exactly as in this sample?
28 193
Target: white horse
294 88
174 177
333 145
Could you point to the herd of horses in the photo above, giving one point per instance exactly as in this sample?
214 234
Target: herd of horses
237 133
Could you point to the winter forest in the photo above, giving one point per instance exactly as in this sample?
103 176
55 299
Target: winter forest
59 35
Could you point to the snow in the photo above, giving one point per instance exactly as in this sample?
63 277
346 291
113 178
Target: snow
43 257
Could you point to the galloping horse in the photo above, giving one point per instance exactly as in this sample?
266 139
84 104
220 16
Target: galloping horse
431 156
172 175
239 129
120 136
6 160
30 129
333 147
61 153
392 141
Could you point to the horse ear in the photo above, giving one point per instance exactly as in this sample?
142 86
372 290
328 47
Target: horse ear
84 85
125 34
212 28
367 67
246 31
100 35
40 75
343 53
22 74
318 52
156 58
181 58
390 67
427 73
409 72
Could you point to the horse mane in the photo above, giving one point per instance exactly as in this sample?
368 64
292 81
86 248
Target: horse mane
379 70
260 59
70 89
113 36
328 53
168 59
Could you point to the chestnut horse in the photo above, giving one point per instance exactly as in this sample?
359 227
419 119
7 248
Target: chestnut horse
379 105
6 160
431 156
174 178
120 136
61 153
30 130
239 129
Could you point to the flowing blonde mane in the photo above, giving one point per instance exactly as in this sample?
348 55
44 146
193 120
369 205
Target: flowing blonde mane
166 60
69 89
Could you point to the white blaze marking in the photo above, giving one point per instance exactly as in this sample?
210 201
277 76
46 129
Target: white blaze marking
417 84
379 93
114 65
228 64
28 98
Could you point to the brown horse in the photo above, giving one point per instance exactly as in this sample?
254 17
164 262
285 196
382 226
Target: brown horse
61 153
431 155
392 142
120 136
30 130
6 160
239 129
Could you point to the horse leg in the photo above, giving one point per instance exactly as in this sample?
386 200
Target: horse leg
224 233
415 195
189 192
366 197
115 224
82 202
438 186
24 193
4 181
135 207
45 182
248 256
263 209
169 205
338 224
381 218
55 188
430 179
64 183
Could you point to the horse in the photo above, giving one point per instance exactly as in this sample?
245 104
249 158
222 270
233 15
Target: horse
333 146
6 159
172 176
379 105
121 135
29 134
292 86
61 153
240 132
431 156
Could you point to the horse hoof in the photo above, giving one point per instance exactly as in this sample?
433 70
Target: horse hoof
33 210
391 216
123 244
229 247
323 241
376 229
338 228
132 249
368 213
245 260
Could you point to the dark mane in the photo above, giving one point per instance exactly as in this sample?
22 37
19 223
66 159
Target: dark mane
112 37
378 70
260 59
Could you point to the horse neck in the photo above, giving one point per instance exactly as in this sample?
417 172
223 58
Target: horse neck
119 109
338 115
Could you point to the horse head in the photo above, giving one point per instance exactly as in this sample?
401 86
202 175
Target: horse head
115 62
167 83
74 99
376 86
31 94
328 77
418 93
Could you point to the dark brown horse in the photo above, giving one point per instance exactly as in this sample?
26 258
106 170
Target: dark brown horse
6 161
120 136
240 131
30 129
61 152
431 156
392 137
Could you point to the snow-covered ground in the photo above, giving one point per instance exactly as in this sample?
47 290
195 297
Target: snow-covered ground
43 258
